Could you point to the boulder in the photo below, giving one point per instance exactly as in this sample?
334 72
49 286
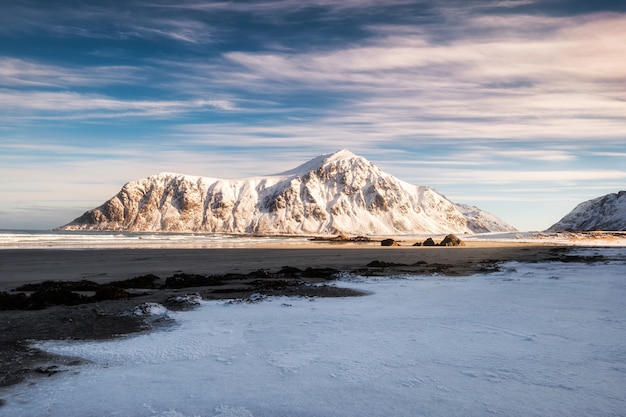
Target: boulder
389 242
451 240
429 242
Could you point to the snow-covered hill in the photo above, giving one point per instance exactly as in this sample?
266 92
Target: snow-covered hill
331 194
480 221
603 213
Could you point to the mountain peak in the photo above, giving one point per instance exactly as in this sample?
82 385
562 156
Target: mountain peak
340 154
322 160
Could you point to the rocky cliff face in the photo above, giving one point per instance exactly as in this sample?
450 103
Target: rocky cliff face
603 213
331 194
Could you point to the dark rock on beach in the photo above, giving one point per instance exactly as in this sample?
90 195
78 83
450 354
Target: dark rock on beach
383 264
451 240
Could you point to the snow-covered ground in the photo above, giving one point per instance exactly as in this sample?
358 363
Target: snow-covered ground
543 339
586 239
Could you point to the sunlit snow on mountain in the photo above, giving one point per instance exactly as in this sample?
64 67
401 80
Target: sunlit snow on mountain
334 193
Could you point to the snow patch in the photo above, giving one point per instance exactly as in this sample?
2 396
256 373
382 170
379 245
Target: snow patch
150 309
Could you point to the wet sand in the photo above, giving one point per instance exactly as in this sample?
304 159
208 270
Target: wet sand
106 319
103 265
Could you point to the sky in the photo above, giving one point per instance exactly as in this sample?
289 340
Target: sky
515 106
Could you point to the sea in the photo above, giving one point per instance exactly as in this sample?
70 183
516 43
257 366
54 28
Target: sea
59 239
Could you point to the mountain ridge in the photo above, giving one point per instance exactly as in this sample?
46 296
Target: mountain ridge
330 194
607 212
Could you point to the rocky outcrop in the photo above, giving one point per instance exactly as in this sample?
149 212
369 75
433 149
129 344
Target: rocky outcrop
338 193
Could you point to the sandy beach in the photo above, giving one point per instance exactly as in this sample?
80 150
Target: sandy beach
110 318
102 265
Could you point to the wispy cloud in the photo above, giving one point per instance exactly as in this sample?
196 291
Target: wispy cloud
70 105
573 72
110 20
15 72
514 177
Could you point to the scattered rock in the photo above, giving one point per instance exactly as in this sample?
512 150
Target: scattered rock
324 273
13 301
149 309
255 298
289 272
183 280
142 281
82 285
269 284
389 242
111 292
259 273
182 302
55 296
382 264
49 370
342 238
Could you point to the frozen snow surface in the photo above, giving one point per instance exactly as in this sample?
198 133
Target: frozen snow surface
542 339
583 239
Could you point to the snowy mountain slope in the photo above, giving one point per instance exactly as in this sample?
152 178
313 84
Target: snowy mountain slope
481 221
333 193
603 213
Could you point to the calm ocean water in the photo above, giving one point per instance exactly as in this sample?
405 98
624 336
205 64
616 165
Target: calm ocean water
52 239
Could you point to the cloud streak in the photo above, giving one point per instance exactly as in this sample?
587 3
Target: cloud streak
28 73
565 85
69 105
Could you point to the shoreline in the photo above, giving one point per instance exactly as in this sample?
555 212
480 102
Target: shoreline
23 266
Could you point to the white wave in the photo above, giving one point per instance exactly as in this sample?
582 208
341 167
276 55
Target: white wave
103 240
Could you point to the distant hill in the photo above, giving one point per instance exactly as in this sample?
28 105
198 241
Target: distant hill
603 213
480 221
331 194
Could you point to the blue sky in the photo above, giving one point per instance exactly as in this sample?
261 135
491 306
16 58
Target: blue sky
518 107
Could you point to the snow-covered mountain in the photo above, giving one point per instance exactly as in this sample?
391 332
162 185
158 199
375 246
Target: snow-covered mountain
603 213
331 194
480 221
